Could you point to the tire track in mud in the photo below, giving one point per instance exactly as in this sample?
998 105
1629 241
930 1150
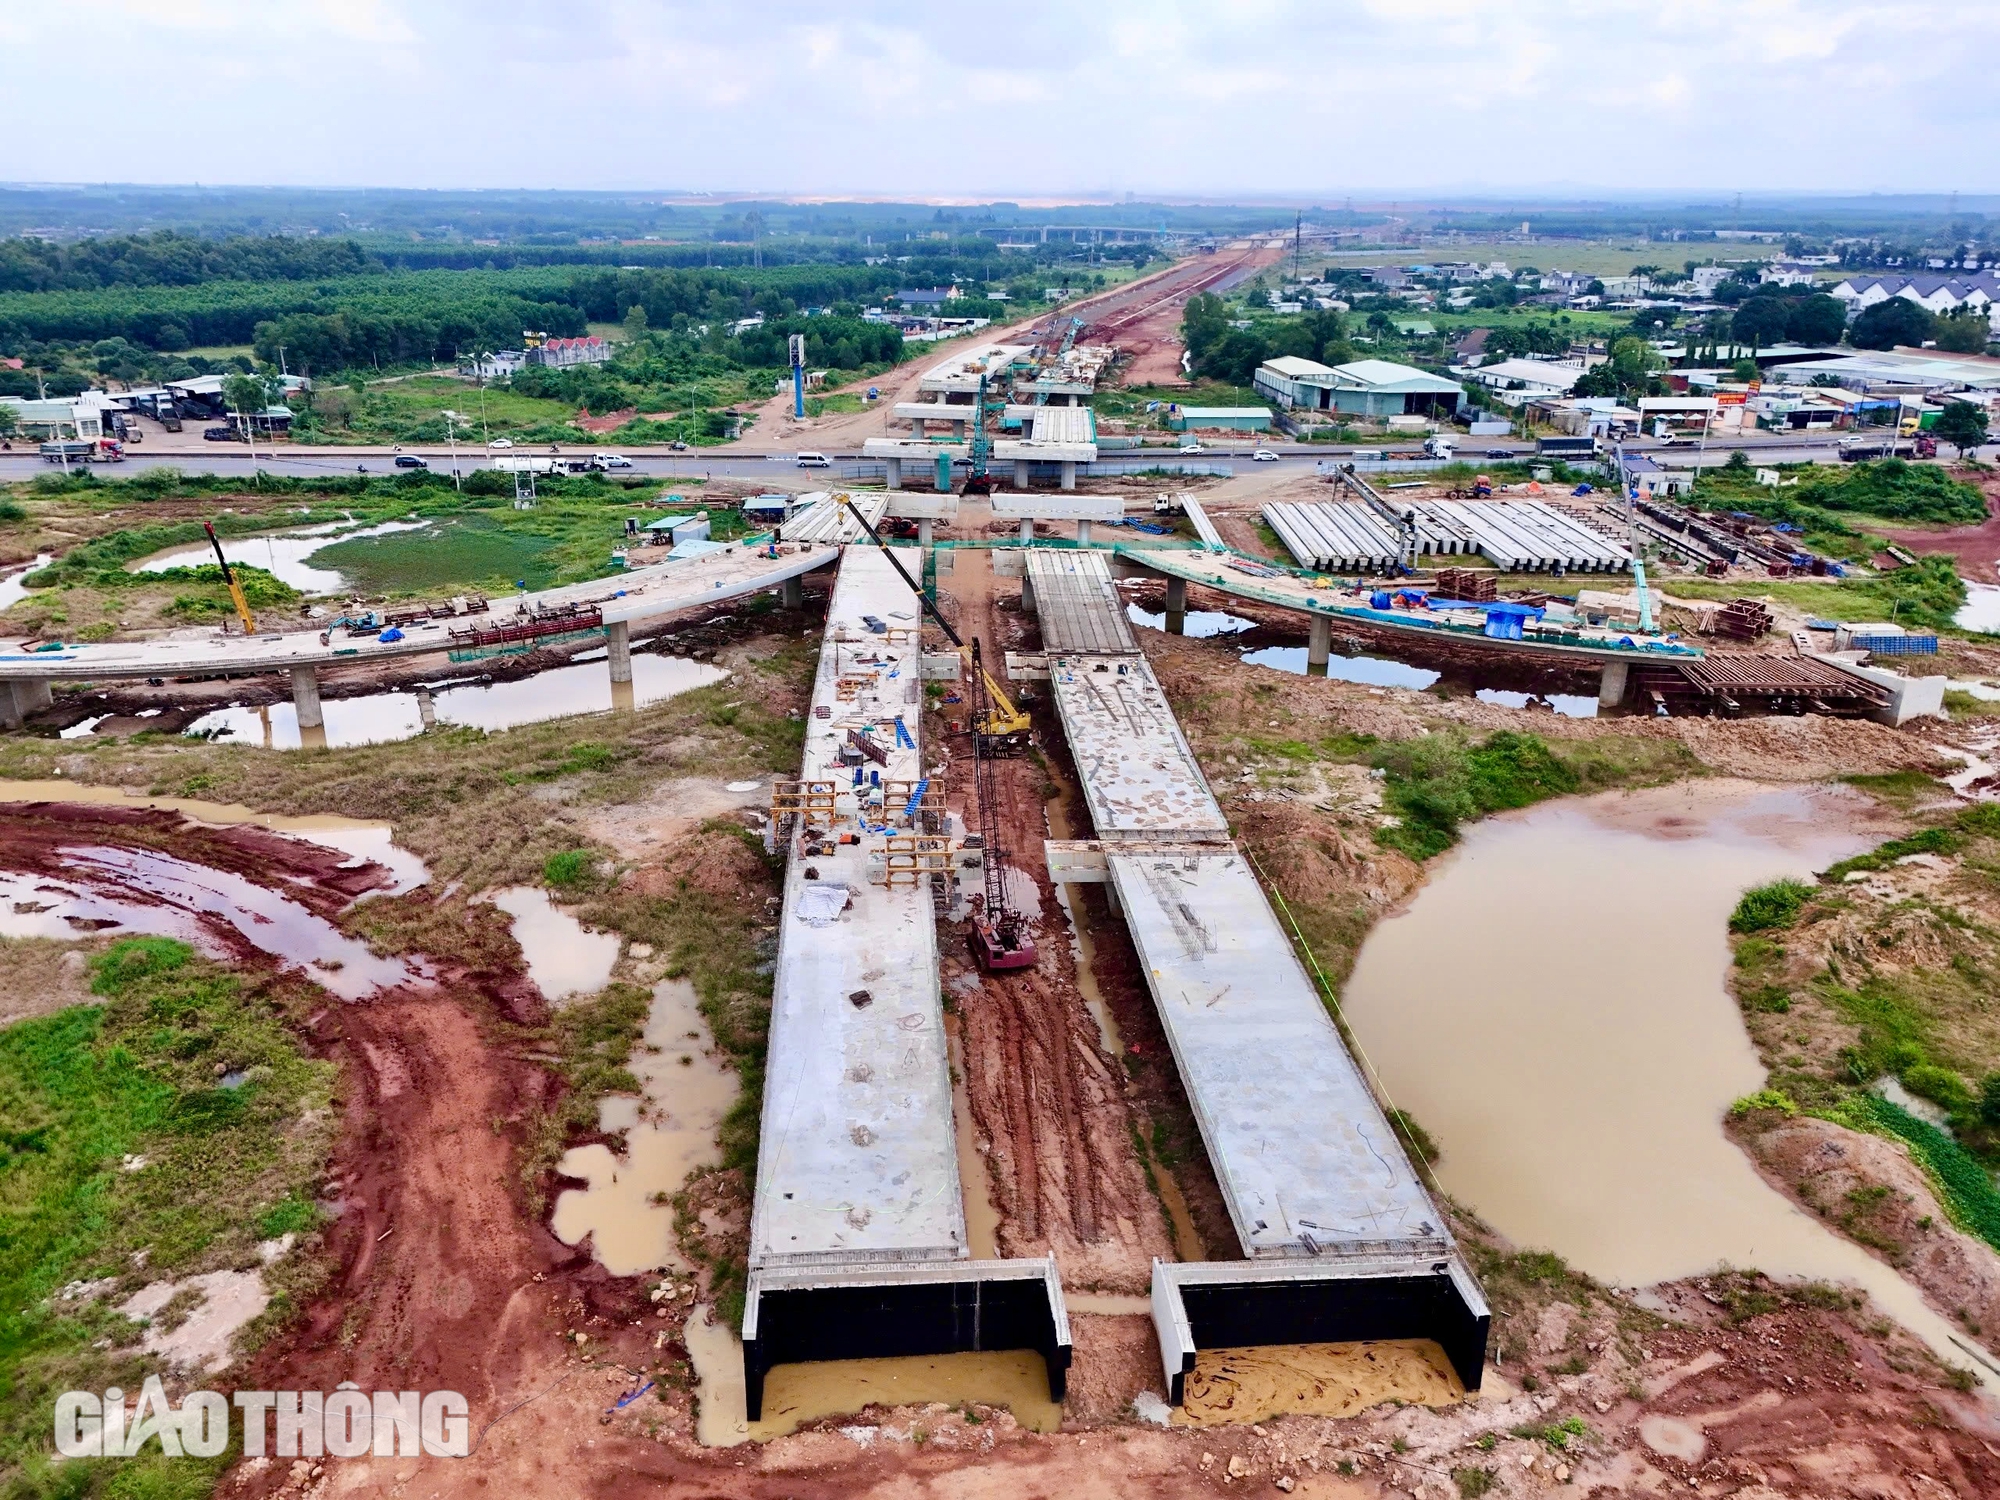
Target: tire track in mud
1045 1094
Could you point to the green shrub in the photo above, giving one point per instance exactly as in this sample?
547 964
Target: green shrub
1766 906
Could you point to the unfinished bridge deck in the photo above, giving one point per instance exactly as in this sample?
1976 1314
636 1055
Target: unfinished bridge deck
1340 1238
858 1242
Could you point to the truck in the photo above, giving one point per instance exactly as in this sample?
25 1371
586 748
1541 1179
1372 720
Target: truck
1856 450
1566 448
74 451
522 463
1440 445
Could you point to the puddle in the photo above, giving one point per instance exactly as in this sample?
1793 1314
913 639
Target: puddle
563 957
12 590
975 1181
1238 1386
362 842
283 554
1199 623
797 1394
1981 610
1569 705
177 893
1373 671
578 688
670 1130
1552 1008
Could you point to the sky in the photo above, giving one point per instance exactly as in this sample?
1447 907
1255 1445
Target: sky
1023 100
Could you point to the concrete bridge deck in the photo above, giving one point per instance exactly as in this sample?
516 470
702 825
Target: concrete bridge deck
1340 1239
858 1239
622 599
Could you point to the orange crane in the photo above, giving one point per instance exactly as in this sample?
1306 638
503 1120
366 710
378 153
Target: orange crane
235 589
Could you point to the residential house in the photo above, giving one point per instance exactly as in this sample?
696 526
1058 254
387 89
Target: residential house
562 353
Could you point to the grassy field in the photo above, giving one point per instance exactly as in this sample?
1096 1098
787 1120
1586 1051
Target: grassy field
1595 257
225 1167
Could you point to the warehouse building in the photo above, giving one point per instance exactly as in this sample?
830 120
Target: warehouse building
1219 418
1366 388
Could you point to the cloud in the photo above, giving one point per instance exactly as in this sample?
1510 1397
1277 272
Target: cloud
1257 97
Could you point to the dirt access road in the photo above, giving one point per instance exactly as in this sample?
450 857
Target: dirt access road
1142 318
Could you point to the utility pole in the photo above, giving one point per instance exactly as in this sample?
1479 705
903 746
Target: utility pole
1298 223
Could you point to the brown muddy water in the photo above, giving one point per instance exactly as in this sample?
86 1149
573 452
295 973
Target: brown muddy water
564 957
1552 1008
583 687
108 888
669 1130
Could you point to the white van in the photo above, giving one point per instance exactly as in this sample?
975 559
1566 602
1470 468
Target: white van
814 461
610 461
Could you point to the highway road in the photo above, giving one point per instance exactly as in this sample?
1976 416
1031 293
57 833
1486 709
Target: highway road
781 471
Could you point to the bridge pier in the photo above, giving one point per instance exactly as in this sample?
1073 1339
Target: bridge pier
27 695
923 531
1611 683
618 648
427 711
624 699
1082 532
1319 646
1176 606
305 697
1027 532
1069 473
792 593
1020 473
895 472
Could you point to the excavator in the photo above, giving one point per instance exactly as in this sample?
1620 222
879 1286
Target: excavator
1001 939
235 589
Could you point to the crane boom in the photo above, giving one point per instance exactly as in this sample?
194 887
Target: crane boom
229 578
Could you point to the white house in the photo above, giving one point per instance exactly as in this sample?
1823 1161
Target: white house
1937 294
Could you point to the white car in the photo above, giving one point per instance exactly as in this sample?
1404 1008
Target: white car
501 443
1263 456
611 460
1190 447
814 461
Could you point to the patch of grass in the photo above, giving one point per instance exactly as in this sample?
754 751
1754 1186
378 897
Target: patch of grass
1776 904
1926 593
1415 1138
1559 1434
1962 1184
85 1091
593 1041
569 870
1900 789
1439 781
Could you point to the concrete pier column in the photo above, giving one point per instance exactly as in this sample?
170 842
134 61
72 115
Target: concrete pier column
792 593
924 531
623 698
1027 590
1176 606
1069 474
1611 683
1319 646
427 709
1020 473
31 695
1027 531
618 649
305 697
1083 533
895 476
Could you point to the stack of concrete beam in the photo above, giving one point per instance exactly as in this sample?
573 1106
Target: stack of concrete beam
1518 536
1204 528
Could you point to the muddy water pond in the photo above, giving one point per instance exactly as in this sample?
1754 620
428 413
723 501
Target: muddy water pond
669 1130
564 957
285 555
579 688
1552 1008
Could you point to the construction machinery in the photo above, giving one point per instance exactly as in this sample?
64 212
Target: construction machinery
229 578
1001 939
980 480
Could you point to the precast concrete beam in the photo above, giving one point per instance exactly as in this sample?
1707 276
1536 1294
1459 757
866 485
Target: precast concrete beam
305 696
